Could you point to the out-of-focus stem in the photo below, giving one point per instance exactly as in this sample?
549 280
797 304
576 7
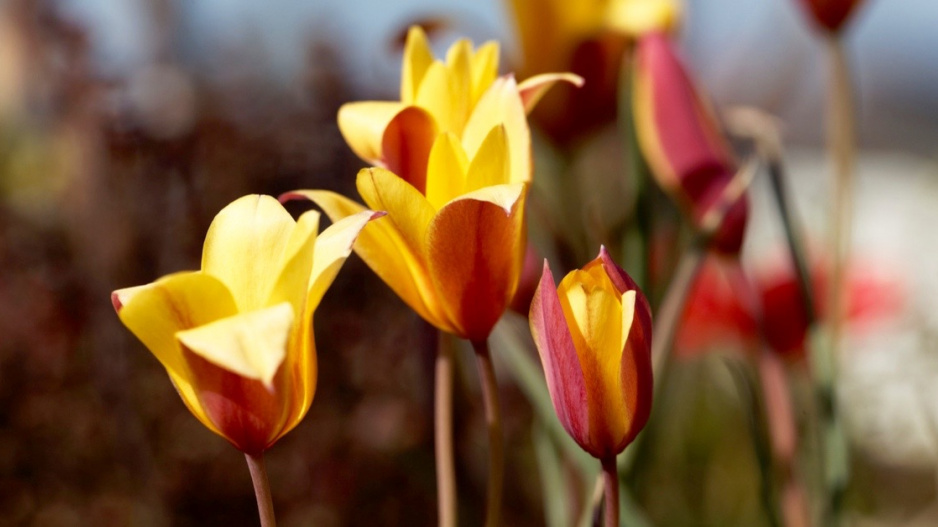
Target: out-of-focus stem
494 421
443 434
611 484
265 504
841 144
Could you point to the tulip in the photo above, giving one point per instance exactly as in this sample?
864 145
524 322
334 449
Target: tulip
453 244
593 333
462 96
830 14
236 337
680 139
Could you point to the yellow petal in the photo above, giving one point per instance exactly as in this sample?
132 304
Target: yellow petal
417 59
437 95
484 69
252 345
459 64
244 247
296 263
490 166
638 17
362 125
533 88
407 208
475 250
381 245
154 313
332 248
501 104
446 170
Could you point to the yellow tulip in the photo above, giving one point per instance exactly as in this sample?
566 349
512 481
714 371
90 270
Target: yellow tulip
593 333
454 166
236 337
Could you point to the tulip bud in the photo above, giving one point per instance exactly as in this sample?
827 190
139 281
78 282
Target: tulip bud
593 334
682 142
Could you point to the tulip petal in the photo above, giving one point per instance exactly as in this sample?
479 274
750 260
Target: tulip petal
406 145
417 59
635 369
407 208
484 69
475 251
490 166
363 124
438 96
154 313
382 246
332 248
459 64
446 170
257 229
533 88
296 263
501 104
559 357
252 345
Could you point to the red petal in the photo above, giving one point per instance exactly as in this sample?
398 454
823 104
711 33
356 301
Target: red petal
561 363
406 145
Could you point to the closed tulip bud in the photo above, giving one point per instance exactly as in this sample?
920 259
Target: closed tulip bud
236 337
593 334
682 142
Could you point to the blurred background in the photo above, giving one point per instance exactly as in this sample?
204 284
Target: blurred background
125 126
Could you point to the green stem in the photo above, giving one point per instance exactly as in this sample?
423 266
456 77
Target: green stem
494 421
443 435
265 505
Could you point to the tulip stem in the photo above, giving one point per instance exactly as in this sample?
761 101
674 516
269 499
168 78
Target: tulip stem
611 483
841 144
494 421
443 433
265 505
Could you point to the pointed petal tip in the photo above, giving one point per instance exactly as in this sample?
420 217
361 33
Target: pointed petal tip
116 301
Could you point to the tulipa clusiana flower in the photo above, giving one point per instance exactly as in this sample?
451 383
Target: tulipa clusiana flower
593 334
236 336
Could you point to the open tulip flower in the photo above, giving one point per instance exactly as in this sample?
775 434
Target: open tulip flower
682 143
830 14
453 243
236 337
593 333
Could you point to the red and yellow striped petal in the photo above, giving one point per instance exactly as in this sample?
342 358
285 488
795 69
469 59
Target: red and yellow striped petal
362 125
475 249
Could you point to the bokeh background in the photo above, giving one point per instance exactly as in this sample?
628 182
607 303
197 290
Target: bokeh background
125 126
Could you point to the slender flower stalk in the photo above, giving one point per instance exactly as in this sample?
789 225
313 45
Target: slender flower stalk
447 499
493 419
841 141
611 491
265 505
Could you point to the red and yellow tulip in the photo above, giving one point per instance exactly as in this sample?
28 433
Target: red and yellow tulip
830 14
236 336
593 333
682 142
454 166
